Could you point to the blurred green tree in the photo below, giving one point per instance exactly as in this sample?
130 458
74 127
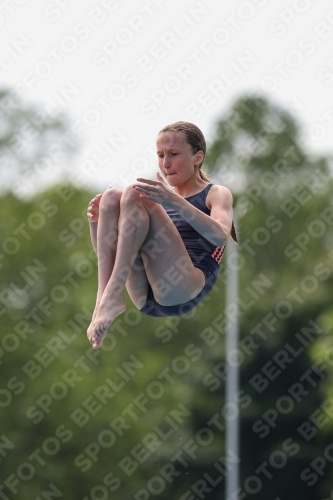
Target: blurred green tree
283 207
34 142
144 416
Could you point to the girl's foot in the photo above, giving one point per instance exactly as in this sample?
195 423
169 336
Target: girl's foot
106 313
90 330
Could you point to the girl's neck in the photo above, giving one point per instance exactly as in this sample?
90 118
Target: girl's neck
191 187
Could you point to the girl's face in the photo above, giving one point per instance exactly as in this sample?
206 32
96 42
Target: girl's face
175 157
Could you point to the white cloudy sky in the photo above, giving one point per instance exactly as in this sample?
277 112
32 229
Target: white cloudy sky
123 69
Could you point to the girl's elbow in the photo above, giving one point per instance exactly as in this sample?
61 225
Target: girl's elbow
224 238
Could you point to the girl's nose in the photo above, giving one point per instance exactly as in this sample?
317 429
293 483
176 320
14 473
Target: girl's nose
166 161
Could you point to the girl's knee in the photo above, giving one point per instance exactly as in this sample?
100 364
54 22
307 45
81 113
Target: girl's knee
130 194
110 198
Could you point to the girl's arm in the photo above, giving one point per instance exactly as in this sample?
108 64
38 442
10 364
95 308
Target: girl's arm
93 213
216 226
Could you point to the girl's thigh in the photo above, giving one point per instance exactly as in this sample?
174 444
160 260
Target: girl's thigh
168 266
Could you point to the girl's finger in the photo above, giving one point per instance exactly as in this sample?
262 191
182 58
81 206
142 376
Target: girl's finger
148 181
150 189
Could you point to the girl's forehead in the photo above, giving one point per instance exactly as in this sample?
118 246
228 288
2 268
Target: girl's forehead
171 139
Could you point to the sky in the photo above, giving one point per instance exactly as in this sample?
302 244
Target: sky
123 69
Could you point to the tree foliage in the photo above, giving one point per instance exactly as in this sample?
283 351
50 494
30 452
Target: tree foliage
34 142
145 416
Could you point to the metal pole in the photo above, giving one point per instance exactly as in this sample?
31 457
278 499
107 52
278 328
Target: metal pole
232 379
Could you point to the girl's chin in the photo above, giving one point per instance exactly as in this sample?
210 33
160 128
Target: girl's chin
171 179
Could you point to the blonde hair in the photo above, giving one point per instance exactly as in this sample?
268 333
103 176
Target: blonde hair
196 140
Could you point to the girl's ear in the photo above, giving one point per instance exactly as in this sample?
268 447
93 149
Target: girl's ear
199 156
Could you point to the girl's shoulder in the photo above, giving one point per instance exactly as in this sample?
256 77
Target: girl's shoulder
216 192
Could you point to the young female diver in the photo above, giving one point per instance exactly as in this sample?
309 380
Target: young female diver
164 245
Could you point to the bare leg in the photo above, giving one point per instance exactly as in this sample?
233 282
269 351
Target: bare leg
142 225
133 228
106 242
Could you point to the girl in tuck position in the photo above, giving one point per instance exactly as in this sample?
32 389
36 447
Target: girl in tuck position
165 245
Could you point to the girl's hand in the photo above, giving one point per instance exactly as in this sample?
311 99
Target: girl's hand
93 208
157 191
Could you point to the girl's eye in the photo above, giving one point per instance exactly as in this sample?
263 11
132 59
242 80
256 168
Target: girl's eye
174 154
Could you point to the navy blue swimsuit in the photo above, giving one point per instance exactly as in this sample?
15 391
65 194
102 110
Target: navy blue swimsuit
204 255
